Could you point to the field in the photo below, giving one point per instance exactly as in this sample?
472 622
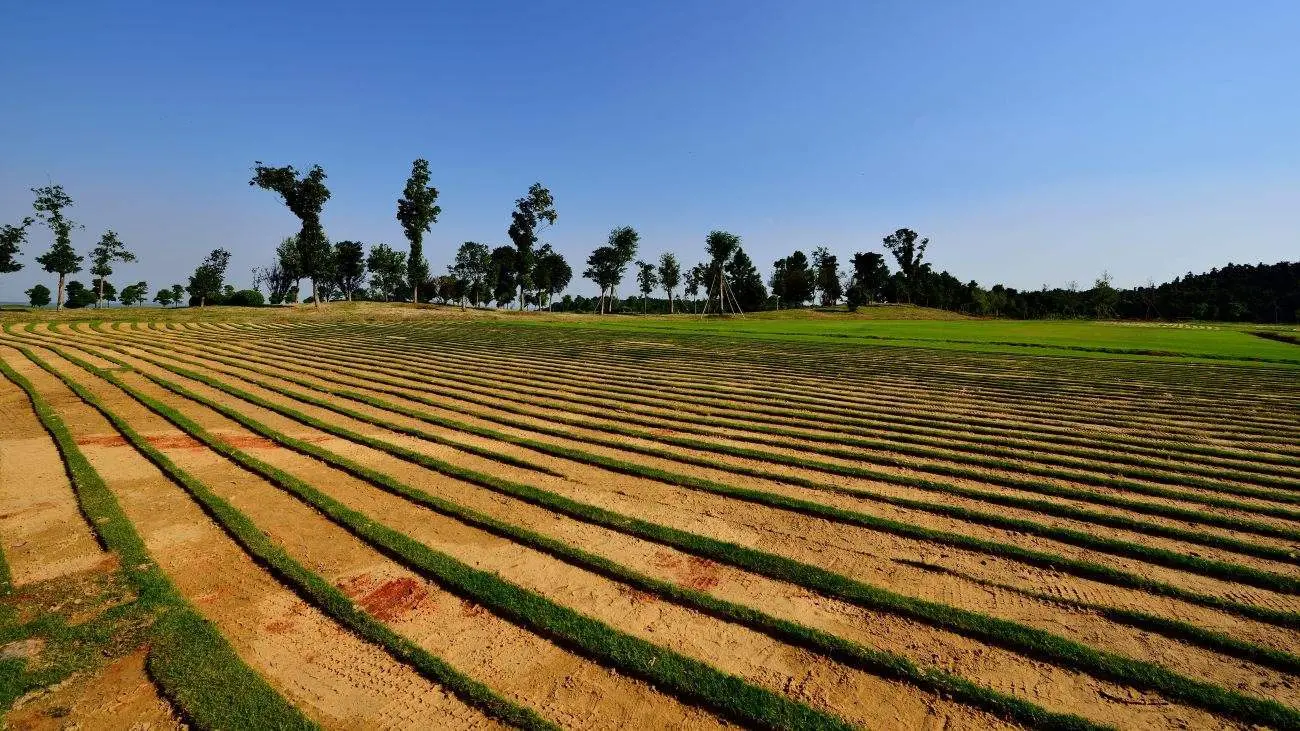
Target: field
382 517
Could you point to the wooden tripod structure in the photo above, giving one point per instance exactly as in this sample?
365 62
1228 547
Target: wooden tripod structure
727 304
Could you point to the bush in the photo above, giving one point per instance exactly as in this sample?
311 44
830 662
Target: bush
245 298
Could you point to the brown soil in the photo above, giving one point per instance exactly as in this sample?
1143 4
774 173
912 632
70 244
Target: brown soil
42 532
116 696
1052 687
331 675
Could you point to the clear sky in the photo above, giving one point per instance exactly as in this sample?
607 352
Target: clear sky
1034 142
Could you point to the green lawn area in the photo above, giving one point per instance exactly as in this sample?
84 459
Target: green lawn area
1182 341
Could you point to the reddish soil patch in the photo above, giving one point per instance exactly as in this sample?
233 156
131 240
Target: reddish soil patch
697 573
470 609
388 601
635 595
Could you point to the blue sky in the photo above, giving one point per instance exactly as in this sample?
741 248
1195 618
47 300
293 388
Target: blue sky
1034 142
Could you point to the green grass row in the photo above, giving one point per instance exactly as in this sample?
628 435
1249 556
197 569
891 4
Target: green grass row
1022 395
611 427
682 676
864 418
708 427
1025 640
1169 628
688 418
194 666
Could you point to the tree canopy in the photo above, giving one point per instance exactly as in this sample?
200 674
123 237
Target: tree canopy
305 196
109 249
417 211
532 213
207 279
387 272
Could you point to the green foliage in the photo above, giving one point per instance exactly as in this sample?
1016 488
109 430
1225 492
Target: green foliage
207 279
305 196
909 253
417 212
178 294
104 292
12 239
387 272
134 294
793 280
744 281
349 267
828 276
473 268
61 259
109 249
78 295
505 275
551 273
867 283
670 275
646 280
532 213
38 295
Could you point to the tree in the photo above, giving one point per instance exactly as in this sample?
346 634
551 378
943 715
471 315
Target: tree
178 294
387 271
646 280
670 275
504 275
532 213
745 282
103 290
827 270
870 274
1103 297
38 295
305 197
164 297
695 276
349 267
61 259
207 279
417 212
551 273
602 268
793 280
79 296
473 266
721 246
12 239
109 250
909 253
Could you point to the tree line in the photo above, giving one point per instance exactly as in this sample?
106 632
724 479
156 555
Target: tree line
525 274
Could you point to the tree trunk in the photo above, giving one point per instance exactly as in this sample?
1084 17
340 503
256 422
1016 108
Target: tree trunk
670 303
315 295
415 293
203 298
58 301
99 300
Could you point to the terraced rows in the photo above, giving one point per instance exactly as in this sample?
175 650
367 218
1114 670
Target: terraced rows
465 524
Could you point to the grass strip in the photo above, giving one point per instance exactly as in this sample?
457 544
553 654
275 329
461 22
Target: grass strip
1211 540
305 583
1004 480
194 666
989 454
882 663
1019 638
683 676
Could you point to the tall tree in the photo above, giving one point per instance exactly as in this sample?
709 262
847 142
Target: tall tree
827 269
206 281
721 246
38 295
505 275
551 273
532 214
695 277
870 275
349 267
178 294
417 211
473 266
910 255
12 239
603 269
61 259
793 280
387 271
745 282
646 280
109 250
305 197
670 275
134 294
